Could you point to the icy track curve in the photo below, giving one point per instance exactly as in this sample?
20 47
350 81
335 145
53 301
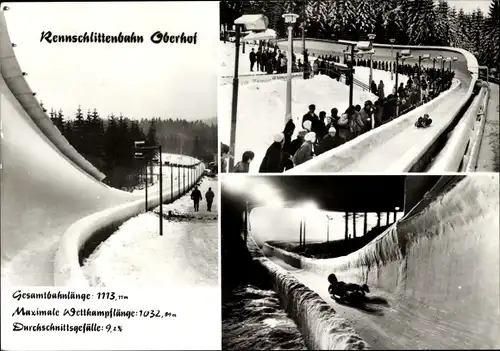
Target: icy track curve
46 185
437 268
394 146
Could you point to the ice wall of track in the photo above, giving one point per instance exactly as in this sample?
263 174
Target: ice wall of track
320 326
444 257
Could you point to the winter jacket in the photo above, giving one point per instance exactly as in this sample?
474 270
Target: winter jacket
309 117
329 142
366 118
241 167
318 128
209 196
303 154
343 129
356 124
196 195
294 145
381 92
272 161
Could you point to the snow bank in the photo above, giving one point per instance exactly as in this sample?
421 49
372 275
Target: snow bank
12 73
319 324
444 257
86 234
190 246
261 110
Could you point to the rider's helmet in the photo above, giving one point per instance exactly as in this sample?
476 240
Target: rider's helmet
332 279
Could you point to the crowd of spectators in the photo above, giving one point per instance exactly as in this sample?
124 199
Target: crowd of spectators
321 133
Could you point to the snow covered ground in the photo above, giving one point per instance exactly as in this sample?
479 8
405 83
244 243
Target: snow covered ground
186 254
363 75
261 105
227 56
261 110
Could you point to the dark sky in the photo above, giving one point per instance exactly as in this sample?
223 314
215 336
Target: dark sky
340 193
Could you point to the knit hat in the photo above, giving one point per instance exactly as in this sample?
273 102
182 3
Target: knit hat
311 136
307 125
332 130
278 138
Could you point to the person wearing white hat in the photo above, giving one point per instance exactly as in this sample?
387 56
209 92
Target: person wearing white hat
329 141
307 125
306 151
273 160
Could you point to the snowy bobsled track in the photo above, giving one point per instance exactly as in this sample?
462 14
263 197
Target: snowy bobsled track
46 185
434 275
396 147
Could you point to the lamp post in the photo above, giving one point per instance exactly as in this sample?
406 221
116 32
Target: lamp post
372 38
290 19
255 24
327 229
395 211
392 40
146 152
304 36
234 104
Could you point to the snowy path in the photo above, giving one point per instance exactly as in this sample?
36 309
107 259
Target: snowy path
186 254
488 160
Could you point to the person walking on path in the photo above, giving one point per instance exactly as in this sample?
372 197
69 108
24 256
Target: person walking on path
196 197
209 196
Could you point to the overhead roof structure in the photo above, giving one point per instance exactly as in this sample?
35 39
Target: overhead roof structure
329 193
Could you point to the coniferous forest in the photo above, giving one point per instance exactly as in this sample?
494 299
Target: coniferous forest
108 143
410 22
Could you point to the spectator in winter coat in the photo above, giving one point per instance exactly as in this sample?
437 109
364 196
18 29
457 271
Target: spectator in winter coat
306 151
253 57
374 88
288 132
209 196
366 115
329 141
381 92
309 116
297 142
334 114
356 124
273 160
343 128
224 150
244 165
196 197
318 126
378 113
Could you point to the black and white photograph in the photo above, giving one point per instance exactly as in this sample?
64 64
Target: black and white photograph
347 262
359 86
109 174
